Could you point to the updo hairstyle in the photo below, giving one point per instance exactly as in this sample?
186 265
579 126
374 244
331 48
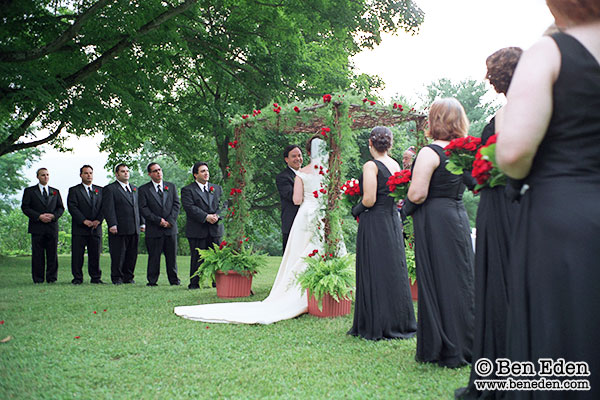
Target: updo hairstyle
501 66
578 11
381 138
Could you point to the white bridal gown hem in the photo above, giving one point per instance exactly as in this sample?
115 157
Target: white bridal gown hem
286 300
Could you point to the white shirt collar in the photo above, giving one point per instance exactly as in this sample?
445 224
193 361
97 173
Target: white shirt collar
124 185
41 187
295 171
158 185
203 187
87 187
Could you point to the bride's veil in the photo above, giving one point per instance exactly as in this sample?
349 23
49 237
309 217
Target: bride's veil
318 152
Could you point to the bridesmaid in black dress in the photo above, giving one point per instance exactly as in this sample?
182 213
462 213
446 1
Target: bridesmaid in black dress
383 308
495 217
443 249
549 135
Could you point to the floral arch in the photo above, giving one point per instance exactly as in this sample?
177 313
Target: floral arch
335 118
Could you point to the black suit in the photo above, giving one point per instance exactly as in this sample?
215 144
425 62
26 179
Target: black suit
200 234
285 186
85 206
155 206
121 208
44 236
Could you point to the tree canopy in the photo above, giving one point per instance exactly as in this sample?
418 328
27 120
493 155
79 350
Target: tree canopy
173 71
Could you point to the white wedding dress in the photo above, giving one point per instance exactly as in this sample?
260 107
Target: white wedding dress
286 299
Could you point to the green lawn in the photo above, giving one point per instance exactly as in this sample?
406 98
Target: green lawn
132 346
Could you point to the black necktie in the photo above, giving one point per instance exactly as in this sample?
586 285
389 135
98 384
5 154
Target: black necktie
130 192
91 195
160 192
45 194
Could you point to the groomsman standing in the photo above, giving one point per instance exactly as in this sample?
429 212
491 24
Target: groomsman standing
85 205
200 201
121 210
43 206
159 206
292 155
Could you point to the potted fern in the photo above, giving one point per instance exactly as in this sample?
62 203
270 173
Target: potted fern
232 268
329 282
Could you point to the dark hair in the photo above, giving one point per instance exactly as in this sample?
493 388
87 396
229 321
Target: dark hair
84 167
381 138
40 169
313 137
501 66
119 166
288 148
149 167
197 166
578 11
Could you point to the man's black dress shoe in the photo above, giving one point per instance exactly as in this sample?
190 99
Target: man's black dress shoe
97 282
151 284
193 287
130 281
76 282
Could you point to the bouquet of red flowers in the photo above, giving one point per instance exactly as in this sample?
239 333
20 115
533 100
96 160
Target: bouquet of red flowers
398 184
351 191
485 169
461 153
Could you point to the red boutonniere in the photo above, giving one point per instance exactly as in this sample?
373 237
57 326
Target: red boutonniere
166 188
96 191
53 193
134 189
212 189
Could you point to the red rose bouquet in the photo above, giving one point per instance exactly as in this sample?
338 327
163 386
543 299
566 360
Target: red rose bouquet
461 153
351 191
485 168
398 184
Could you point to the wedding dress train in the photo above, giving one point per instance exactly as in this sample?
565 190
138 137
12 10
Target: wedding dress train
286 300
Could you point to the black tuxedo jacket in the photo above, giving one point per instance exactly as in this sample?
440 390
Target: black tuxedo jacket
34 205
197 206
285 186
122 209
82 207
152 208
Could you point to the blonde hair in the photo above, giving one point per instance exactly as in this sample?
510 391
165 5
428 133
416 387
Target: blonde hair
447 120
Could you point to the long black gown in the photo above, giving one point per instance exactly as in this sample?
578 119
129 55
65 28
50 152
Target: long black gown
444 261
495 218
554 285
383 308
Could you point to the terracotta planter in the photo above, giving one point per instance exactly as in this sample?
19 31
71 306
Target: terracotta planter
233 284
331 308
414 290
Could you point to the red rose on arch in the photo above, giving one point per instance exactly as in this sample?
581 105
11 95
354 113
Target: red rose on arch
326 98
296 109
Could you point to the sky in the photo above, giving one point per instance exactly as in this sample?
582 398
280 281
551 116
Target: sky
453 42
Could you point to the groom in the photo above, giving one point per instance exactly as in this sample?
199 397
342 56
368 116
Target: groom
292 155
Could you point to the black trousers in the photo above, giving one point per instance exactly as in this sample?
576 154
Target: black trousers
78 245
285 237
123 256
156 246
198 243
43 257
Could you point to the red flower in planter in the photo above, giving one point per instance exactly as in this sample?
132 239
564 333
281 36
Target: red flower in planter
296 109
223 244
245 116
77 337
2 322
371 102
365 100
326 98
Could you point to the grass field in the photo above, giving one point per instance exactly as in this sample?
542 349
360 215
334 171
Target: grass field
124 342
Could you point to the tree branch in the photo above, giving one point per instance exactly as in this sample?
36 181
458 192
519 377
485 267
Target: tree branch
21 146
22 56
19 131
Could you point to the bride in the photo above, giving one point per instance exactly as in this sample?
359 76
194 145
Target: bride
286 300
